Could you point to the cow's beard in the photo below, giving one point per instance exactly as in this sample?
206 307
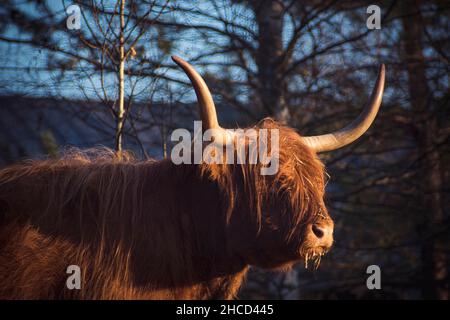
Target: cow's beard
306 253
311 255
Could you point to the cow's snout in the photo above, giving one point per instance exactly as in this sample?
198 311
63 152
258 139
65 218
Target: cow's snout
321 234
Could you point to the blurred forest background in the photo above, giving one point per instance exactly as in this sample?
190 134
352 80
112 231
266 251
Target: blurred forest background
311 64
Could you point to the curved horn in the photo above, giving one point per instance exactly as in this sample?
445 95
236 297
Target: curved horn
204 98
354 130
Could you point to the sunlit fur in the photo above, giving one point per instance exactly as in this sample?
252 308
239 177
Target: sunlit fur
152 229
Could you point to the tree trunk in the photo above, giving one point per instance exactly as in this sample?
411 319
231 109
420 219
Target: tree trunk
121 111
424 117
271 83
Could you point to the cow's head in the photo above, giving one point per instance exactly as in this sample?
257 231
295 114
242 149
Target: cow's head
281 218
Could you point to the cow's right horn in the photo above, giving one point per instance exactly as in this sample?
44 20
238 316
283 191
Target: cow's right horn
345 136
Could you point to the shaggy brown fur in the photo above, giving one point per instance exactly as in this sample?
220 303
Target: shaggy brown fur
152 229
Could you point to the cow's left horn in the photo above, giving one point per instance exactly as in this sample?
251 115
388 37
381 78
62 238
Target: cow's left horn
354 130
204 97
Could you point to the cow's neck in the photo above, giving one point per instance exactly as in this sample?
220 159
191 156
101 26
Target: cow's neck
191 252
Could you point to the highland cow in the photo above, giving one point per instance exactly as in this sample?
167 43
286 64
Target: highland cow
156 230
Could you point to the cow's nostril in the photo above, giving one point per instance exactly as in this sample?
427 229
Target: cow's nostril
321 234
318 232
